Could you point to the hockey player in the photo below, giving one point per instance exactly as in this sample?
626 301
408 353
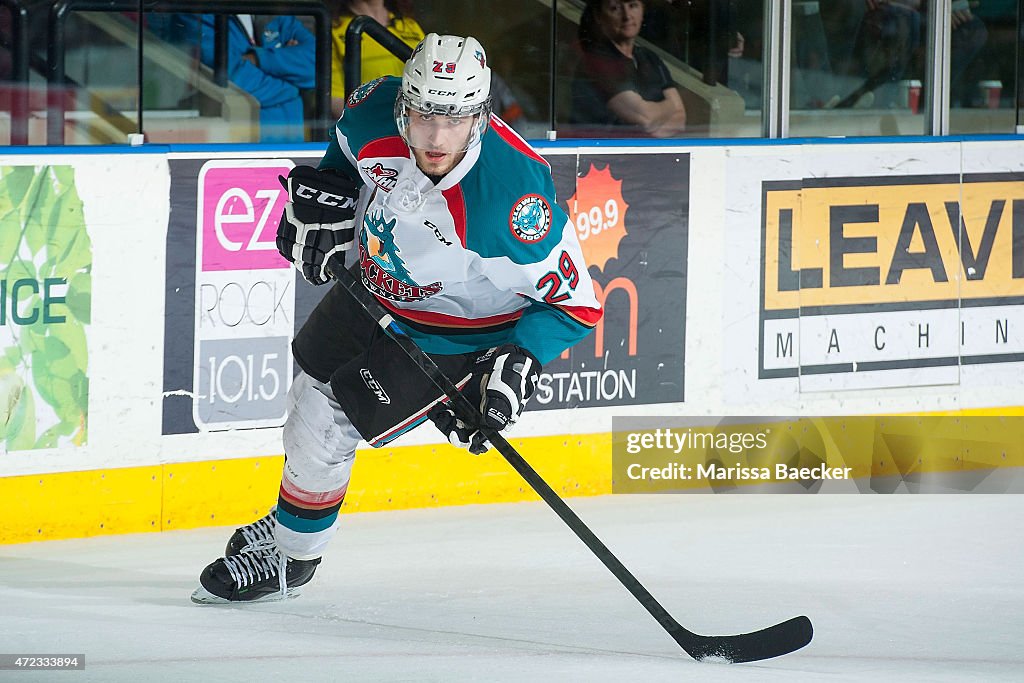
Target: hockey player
460 239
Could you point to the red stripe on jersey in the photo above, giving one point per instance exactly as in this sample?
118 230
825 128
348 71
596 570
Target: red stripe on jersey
457 208
444 320
588 317
506 133
392 146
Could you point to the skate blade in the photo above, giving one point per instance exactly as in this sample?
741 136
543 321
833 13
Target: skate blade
201 596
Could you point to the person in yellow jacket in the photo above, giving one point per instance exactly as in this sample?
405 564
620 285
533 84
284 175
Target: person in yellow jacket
376 61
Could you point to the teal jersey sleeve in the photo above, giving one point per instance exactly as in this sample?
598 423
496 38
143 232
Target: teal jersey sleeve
546 331
335 159
529 245
369 115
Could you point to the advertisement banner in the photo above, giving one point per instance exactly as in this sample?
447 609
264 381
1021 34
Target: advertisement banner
234 305
865 274
45 309
245 305
231 298
632 219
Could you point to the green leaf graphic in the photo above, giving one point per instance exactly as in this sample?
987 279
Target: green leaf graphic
42 223
71 337
49 437
65 215
35 231
21 430
18 270
12 356
10 237
79 297
17 180
80 391
76 255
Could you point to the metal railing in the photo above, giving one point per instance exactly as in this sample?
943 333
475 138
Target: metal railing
19 48
354 48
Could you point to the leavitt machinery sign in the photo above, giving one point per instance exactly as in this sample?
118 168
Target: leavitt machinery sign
901 278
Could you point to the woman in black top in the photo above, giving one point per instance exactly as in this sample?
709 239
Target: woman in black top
618 83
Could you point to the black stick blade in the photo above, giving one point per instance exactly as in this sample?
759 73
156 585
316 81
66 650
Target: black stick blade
773 641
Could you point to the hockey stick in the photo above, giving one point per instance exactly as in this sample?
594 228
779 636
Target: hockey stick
773 641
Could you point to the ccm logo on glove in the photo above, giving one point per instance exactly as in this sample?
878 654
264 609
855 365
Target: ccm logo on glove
318 220
324 197
502 382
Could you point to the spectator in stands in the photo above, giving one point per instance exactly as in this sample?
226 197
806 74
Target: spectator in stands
621 85
270 57
376 61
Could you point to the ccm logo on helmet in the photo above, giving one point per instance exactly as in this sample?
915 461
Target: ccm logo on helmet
322 197
442 93
375 386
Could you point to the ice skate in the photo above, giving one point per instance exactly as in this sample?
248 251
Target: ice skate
260 573
252 536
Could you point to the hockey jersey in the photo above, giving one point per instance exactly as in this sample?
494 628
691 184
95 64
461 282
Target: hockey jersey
482 258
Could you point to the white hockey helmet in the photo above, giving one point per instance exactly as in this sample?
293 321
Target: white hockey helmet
446 76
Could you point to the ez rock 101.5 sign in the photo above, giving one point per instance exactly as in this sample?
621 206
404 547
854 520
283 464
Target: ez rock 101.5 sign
228 285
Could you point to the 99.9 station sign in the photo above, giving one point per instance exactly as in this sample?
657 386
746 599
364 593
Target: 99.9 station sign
631 217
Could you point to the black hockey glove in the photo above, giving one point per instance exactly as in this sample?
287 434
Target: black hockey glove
502 382
459 434
318 219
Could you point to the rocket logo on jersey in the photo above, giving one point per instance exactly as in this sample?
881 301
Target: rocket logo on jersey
384 178
383 271
362 92
530 219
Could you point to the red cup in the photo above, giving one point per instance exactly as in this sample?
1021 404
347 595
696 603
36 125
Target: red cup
913 96
991 92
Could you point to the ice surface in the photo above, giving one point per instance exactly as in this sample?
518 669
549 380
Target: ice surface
901 587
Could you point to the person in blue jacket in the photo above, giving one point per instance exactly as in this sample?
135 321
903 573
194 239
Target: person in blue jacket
270 57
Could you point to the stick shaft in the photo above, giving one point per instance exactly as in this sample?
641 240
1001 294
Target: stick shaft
462 406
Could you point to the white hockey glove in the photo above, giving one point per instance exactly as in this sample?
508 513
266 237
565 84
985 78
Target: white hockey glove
318 220
504 379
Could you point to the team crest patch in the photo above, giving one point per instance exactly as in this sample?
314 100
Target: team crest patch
383 177
530 219
363 91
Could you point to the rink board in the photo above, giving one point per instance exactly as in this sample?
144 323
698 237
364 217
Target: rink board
143 386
